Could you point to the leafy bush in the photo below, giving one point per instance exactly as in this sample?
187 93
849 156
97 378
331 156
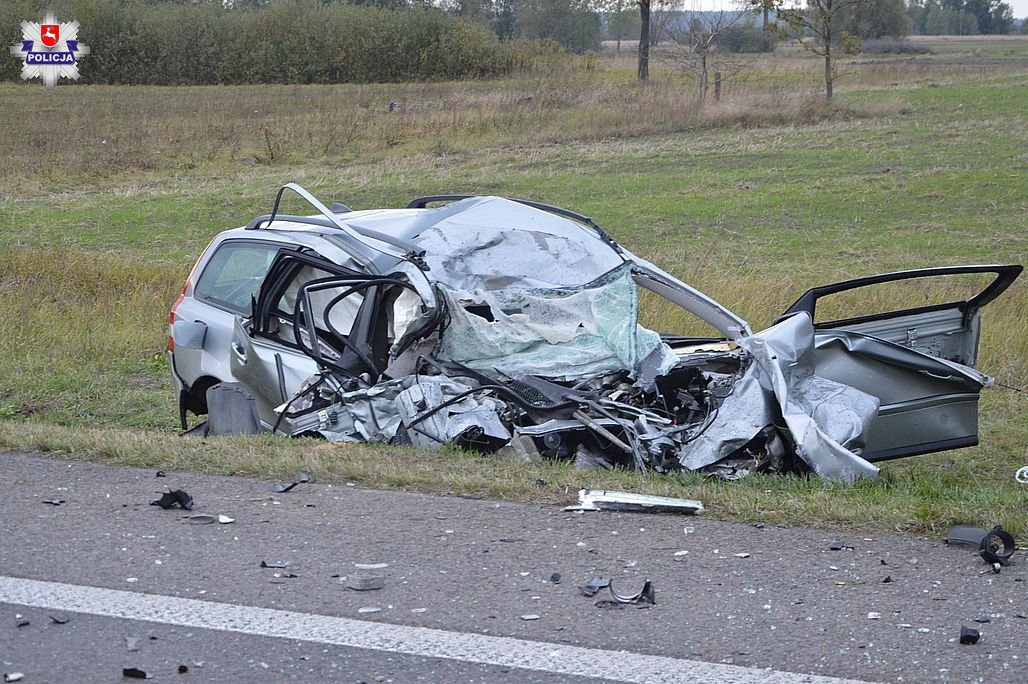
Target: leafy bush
290 41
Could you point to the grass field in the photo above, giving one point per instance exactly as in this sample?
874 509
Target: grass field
107 195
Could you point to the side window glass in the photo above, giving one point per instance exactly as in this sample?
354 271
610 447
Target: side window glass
234 273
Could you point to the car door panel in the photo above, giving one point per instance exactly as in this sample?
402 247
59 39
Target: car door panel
918 361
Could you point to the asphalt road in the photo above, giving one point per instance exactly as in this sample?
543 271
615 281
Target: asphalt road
469 590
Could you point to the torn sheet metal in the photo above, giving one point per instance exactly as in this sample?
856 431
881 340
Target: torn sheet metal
604 500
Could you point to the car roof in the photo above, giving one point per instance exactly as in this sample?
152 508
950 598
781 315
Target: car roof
471 242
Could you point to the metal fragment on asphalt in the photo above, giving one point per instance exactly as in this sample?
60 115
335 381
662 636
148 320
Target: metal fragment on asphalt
604 500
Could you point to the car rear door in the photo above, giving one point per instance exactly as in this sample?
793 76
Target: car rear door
911 339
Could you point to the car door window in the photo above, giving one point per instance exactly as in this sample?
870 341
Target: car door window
234 273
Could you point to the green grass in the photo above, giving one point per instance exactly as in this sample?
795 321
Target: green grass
752 200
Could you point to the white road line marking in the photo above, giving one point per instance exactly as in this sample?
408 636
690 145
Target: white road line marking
419 641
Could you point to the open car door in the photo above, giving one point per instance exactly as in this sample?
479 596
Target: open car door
918 360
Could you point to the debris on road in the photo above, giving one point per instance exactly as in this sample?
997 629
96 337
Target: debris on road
969 635
365 583
200 519
54 502
134 673
965 535
591 587
275 564
530 617
644 597
20 620
13 676
604 500
280 488
59 619
997 546
173 498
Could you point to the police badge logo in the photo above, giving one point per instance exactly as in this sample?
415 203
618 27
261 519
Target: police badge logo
50 50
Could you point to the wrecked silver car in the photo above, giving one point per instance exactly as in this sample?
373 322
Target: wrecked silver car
507 325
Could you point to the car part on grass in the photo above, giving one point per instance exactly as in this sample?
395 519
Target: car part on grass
510 326
280 488
1022 475
173 498
603 500
997 546
231 410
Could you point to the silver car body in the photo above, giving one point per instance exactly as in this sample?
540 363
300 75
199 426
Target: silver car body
515 297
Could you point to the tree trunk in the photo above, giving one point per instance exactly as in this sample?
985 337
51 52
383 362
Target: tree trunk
767 32
644 40
828 74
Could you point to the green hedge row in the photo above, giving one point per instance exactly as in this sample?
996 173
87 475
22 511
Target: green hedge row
287 41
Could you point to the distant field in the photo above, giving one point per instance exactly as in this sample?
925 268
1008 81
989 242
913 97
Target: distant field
107 194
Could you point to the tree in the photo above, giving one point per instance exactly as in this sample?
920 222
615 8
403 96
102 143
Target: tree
701 41
815 28
571 23
876 19
764 8
643 72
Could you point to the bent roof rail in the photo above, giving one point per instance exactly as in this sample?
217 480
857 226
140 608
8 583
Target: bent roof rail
352 238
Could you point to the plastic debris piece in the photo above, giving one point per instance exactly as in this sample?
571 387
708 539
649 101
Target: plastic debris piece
160 473
59 619
594 585
200 519
182 669
275 564
371 566
1022 475
365 583
965 535
173 498
982 620
874 615
132 643
369 609
134 673
14 676
887 580
603 500
280 488
644 597
997 546
839 546
555 578
969 635
225 520
54 502
742 555
20 620
530 616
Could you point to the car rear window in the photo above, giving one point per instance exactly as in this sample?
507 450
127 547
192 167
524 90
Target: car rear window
234 273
